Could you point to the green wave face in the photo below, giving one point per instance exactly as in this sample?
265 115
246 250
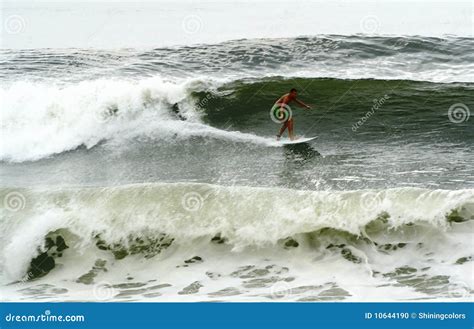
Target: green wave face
354 109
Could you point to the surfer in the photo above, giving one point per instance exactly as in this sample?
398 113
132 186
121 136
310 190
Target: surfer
282 102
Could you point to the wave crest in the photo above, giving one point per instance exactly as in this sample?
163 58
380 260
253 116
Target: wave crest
241 216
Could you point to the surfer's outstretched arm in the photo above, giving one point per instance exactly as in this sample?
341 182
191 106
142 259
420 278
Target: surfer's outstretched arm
302 104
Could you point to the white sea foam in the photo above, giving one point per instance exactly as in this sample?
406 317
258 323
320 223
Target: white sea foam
39 120
248 219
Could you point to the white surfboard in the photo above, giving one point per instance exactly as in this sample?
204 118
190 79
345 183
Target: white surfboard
298 140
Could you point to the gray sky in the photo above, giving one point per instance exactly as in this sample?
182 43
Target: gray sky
121 24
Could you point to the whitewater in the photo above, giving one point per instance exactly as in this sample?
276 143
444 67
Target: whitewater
238 243
154 174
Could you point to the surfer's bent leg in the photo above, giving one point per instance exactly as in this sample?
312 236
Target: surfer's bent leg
290 129
282 129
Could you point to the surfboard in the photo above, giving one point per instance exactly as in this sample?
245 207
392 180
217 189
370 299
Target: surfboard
299 140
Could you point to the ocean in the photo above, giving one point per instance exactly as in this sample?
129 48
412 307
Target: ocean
154 174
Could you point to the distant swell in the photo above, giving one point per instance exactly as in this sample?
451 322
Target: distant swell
343 57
